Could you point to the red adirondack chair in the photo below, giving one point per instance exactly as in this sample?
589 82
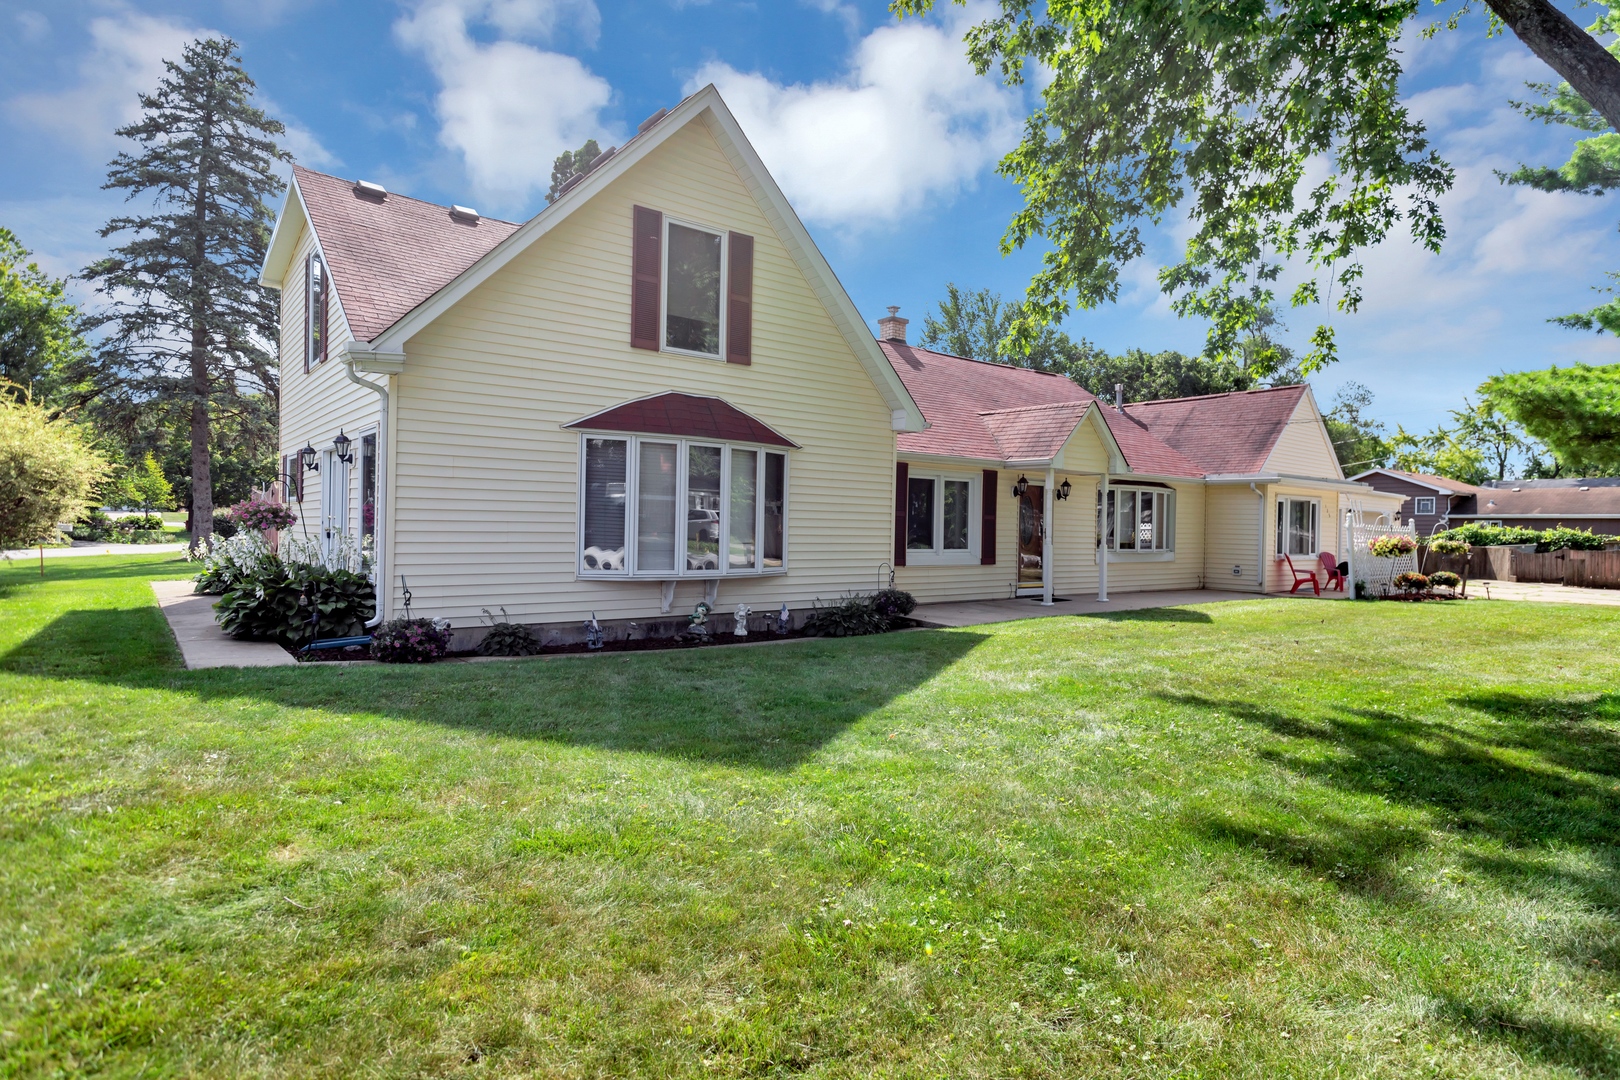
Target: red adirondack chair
1330 567
1302 576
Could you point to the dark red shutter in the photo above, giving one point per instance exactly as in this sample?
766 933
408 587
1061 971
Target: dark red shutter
740 300
646 287
901 475
987 520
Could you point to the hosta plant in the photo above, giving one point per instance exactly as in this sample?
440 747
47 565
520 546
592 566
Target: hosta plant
507 638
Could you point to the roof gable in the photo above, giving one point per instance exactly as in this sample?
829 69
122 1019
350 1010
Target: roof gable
1223 434
685 416
1441 484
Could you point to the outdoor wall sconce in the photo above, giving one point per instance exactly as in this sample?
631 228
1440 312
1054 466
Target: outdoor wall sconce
341 445
1063 490
1020 487
306 457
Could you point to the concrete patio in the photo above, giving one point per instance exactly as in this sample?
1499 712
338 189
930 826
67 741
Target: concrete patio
202 643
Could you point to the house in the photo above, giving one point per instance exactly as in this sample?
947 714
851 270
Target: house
1430 501
1435 503
655 391
1576 503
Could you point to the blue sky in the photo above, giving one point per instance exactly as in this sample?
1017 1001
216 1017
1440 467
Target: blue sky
878 131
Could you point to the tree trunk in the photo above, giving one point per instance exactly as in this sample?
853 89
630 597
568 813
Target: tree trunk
1563 46
202 481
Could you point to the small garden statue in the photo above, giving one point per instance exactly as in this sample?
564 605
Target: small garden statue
697 624
784 621
593 633
741 620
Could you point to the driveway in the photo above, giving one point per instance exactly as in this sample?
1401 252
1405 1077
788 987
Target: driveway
1541 593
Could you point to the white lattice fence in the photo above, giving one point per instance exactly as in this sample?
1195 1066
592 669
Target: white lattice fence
1372 574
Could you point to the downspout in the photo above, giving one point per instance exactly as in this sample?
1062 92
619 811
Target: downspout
1260 540
379 513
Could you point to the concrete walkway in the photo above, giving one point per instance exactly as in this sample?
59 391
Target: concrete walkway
979 612
202 643
1540 593
96 549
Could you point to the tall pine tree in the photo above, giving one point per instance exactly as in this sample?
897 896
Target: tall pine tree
190 325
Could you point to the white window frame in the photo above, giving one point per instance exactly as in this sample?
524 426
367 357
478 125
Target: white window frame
311 361
1284 512
938 555
663 289
1417 506
1116 552
632 500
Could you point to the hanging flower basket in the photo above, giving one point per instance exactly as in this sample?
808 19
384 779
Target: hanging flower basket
262 514
1391 546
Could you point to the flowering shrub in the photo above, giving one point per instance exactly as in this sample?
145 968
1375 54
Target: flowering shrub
1447 544
1411 583
1444 579
1390 546
894 603
410 641
263 514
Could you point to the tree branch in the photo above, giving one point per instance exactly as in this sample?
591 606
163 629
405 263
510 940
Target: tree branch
1566 48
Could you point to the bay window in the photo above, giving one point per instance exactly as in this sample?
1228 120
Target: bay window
941 524
1137 519
694 508
1298 522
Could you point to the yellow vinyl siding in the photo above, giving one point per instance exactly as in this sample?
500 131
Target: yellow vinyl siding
317 404
1304 448
1231 513
486 479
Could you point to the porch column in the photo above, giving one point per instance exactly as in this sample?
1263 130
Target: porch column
1046 538
1102 541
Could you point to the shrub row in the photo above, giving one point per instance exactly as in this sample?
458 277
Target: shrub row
1556 539
855 616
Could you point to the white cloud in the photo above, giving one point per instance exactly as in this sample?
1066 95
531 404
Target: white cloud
908 123
125 60
33 25
507 107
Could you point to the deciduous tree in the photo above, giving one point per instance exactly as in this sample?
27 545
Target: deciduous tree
42 349
1574 411
48 471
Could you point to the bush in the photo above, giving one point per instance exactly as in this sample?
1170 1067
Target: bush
855 616
276 600
1556 539
1410 582
508 638
410 641
1562 539
1444 579
95 527
48 473
233 559
1391 545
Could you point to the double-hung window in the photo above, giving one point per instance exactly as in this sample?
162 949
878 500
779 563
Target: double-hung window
1298 526
1137 519
942 520
663 507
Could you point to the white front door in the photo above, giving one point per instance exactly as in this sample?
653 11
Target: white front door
334 504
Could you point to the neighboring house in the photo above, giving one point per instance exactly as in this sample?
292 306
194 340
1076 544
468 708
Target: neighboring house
1592 504
1431 501
656 391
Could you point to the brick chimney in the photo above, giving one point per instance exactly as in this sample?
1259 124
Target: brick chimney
893 328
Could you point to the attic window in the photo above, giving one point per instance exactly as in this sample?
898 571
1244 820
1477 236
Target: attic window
692 285
464 213
369 190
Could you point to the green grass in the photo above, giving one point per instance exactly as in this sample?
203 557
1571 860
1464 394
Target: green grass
1257 839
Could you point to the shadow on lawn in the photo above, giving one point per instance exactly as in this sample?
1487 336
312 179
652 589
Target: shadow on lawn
1534 777
766 706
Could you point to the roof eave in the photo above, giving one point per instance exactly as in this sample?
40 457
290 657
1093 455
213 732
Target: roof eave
283 238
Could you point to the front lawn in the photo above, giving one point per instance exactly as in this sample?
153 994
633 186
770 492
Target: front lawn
1258 839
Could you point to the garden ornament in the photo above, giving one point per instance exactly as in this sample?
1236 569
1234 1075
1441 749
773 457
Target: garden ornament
698 621
783 619
593 633
741 628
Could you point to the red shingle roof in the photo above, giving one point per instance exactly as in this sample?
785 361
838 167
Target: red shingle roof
686 416
1221 433
1144 451
388 255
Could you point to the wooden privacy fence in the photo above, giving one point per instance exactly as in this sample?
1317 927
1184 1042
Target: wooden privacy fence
1584 569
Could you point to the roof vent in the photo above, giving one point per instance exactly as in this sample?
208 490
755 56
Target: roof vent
642 128
464 213
893 328
1119 396
1585 488
367 189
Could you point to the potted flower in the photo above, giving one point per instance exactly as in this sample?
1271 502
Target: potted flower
266 516
1452 547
